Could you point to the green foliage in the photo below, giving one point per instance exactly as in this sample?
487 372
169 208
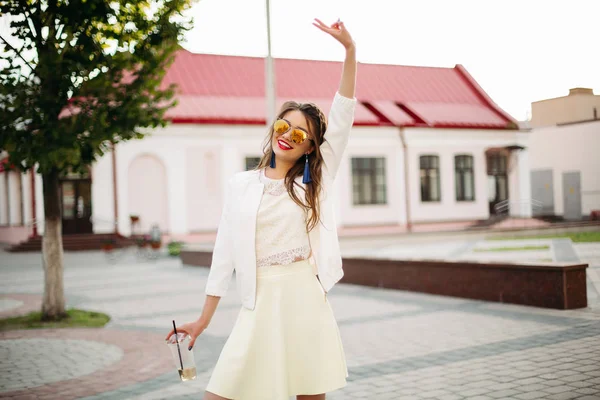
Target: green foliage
513 248
79 75
75 318
576 237
174 248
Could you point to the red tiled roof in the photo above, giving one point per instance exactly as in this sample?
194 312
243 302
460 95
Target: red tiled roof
231 89
245 110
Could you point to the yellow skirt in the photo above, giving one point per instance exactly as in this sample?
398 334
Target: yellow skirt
288 345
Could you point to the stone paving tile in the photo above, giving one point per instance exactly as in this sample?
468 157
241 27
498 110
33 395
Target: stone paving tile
195 387
581 384
450 397
9 304
530 395
503 394
51 360
534 387
563 396
559 389
589 391
557 316
413 336
21 304
139 361
348 307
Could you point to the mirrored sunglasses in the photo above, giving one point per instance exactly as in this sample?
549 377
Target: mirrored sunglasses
297 136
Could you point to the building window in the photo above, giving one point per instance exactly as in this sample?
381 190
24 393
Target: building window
464 178
252 163
430 178
368 181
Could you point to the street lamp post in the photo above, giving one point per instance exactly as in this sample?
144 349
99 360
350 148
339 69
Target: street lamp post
269 73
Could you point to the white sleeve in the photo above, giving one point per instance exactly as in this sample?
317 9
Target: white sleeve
339 124
221 268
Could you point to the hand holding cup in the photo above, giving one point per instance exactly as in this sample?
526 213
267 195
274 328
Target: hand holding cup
193 329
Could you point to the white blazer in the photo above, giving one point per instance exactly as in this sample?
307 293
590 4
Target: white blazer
235 244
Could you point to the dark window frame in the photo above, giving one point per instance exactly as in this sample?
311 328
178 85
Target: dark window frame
249 158
464 163
368 169
497 164
427 164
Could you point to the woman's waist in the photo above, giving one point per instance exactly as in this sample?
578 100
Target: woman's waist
297 267
282 257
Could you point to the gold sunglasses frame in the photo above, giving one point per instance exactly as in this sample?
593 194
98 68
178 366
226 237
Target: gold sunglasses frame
296 132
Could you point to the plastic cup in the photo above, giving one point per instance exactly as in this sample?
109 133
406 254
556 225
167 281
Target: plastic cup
187 371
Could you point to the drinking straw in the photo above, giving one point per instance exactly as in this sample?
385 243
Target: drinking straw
177 341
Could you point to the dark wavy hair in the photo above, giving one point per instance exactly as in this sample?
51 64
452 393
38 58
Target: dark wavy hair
317 125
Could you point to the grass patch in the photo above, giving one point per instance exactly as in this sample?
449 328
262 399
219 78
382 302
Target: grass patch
519 248
576 237
75 319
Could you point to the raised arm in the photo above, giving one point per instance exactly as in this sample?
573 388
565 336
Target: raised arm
348 81
341 115
338 32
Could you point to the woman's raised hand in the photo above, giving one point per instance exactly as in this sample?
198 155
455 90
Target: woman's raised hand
338 31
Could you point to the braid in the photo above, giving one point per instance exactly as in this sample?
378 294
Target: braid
323 121
316 110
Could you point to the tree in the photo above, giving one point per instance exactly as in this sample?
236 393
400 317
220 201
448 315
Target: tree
77 77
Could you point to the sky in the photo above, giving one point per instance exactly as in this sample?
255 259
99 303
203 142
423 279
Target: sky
519 51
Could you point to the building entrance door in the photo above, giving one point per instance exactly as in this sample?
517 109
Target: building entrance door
76 203
497 179
572 195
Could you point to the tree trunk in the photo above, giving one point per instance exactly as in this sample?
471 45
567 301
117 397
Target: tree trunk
53 305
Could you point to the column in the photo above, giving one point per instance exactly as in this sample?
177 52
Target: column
14 198
175 165
4 198
39 203
525 183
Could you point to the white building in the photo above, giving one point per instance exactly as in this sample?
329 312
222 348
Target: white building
428 145
565 154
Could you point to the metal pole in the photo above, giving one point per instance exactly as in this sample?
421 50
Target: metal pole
33 205
409 225
115 193
269 73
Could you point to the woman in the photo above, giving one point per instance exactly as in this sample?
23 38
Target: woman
278 233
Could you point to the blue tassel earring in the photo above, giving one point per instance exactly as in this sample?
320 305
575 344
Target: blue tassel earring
272 165
306 178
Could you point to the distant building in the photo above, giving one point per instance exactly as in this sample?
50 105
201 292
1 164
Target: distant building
428 145
580 105
565 154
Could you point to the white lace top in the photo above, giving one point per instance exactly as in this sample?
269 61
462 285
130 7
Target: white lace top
281 236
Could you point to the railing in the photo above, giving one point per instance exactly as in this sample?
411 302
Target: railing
505 205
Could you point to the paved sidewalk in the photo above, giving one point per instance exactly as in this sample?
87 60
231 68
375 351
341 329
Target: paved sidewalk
399 345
